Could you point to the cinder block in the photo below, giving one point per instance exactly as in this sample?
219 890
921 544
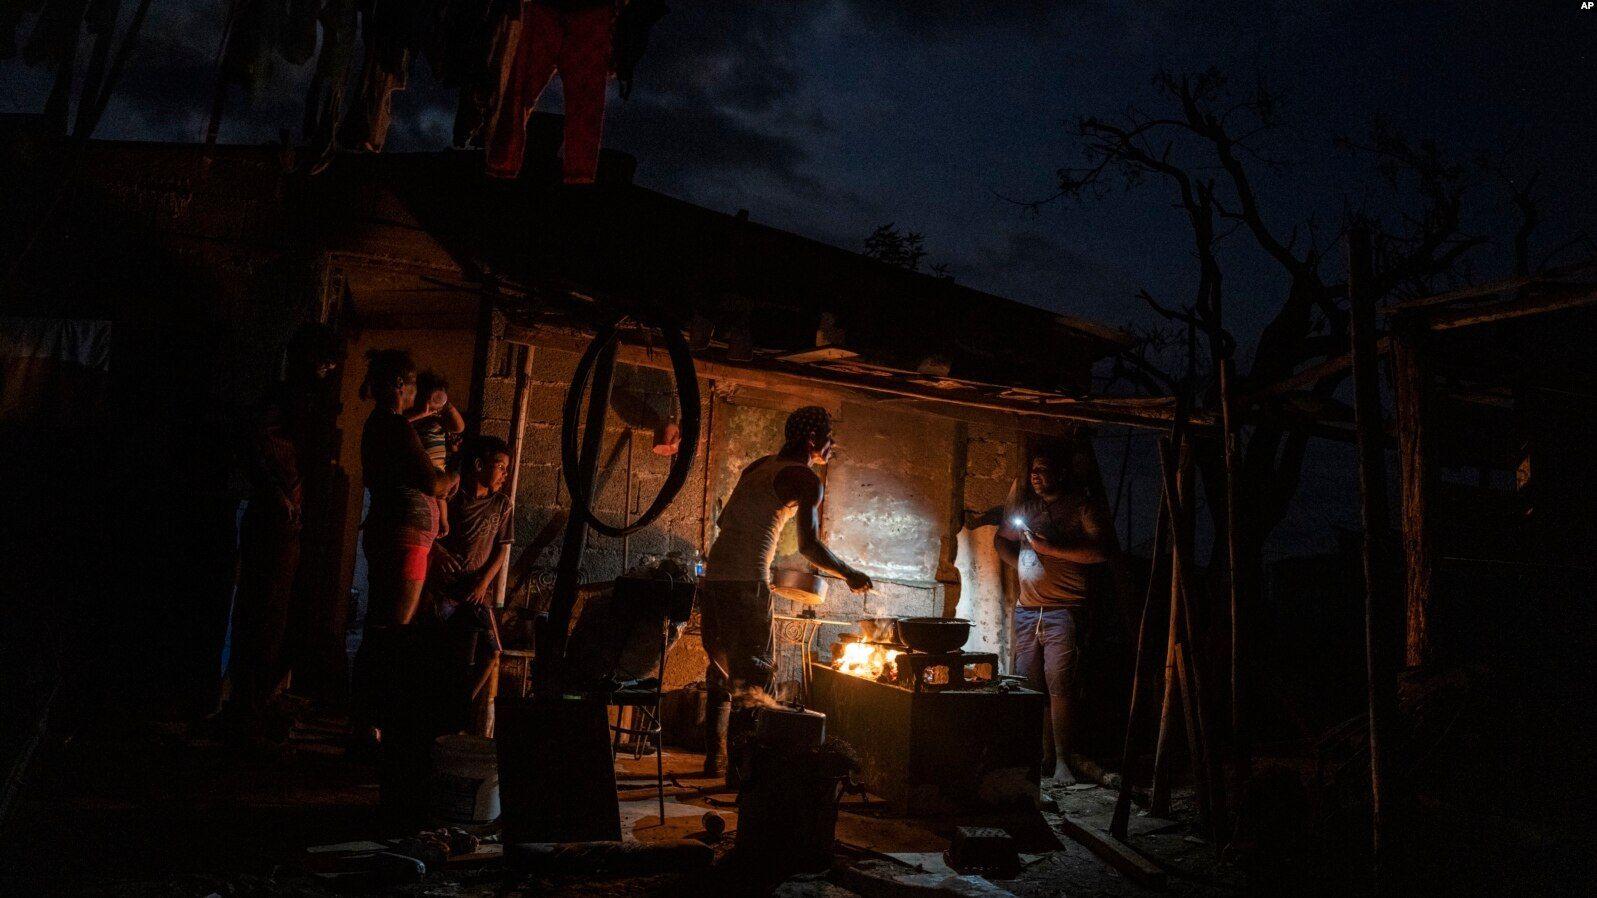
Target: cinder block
601 564
982 493
530 519
498 399
545 404
540 485
554 366
540 444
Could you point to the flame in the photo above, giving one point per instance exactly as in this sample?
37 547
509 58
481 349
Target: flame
862 659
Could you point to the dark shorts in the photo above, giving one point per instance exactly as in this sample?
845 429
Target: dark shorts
735 622
1046 642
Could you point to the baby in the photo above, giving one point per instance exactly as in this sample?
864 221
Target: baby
438 424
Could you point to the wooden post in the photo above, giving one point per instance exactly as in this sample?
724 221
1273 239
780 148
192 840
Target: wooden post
481 355
1413 386
1139 674
518 421
1380 623
1210 780
1197 753
1176 463
1233 565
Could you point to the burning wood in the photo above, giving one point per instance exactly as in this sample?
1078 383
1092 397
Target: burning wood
868 660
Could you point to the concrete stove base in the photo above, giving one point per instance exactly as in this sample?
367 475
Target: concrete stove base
937 752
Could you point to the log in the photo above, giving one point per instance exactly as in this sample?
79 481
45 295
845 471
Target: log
550 858
1117 853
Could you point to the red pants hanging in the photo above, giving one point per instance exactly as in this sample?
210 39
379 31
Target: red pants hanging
577 44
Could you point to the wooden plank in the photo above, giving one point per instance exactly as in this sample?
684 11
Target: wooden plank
1487 289
821 354
1115 852
1517 308
1308 377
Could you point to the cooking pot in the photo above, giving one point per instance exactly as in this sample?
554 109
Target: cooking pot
879 630
795 729
933 635
804 587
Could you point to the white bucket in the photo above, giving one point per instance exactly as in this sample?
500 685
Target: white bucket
465 780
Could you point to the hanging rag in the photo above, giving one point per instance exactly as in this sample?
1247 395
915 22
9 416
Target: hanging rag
574 38
473 53
393 30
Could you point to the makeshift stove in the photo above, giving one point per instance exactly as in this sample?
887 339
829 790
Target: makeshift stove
916 671
935 732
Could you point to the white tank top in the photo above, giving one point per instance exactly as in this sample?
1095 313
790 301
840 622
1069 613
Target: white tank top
750 523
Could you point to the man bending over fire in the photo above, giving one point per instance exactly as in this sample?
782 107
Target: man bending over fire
735 595
1050 534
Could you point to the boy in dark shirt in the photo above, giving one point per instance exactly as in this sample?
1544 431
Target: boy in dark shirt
466 561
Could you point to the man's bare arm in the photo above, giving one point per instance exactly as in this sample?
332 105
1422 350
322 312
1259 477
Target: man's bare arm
490 572
1008 549
807 489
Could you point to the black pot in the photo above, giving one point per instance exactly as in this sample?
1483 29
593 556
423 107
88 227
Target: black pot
879 629
933 635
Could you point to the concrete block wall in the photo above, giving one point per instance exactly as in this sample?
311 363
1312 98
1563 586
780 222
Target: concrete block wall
994 459
894 492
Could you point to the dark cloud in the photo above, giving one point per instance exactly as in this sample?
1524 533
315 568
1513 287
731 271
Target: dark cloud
742 56
1031 265
949 20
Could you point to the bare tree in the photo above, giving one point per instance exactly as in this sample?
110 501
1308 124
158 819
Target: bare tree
1202 144
906 249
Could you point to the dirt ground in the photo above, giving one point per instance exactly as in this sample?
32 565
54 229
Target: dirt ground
165 811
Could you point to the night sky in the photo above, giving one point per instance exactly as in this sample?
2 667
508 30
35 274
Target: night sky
830 117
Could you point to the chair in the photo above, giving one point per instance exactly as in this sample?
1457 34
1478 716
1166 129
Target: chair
661 603
643 697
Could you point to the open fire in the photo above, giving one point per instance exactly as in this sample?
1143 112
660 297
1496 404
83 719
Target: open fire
868 660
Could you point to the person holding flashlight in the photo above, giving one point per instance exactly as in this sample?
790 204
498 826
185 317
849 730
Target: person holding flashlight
1051 534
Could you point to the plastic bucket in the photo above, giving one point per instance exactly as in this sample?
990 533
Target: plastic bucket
465 780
